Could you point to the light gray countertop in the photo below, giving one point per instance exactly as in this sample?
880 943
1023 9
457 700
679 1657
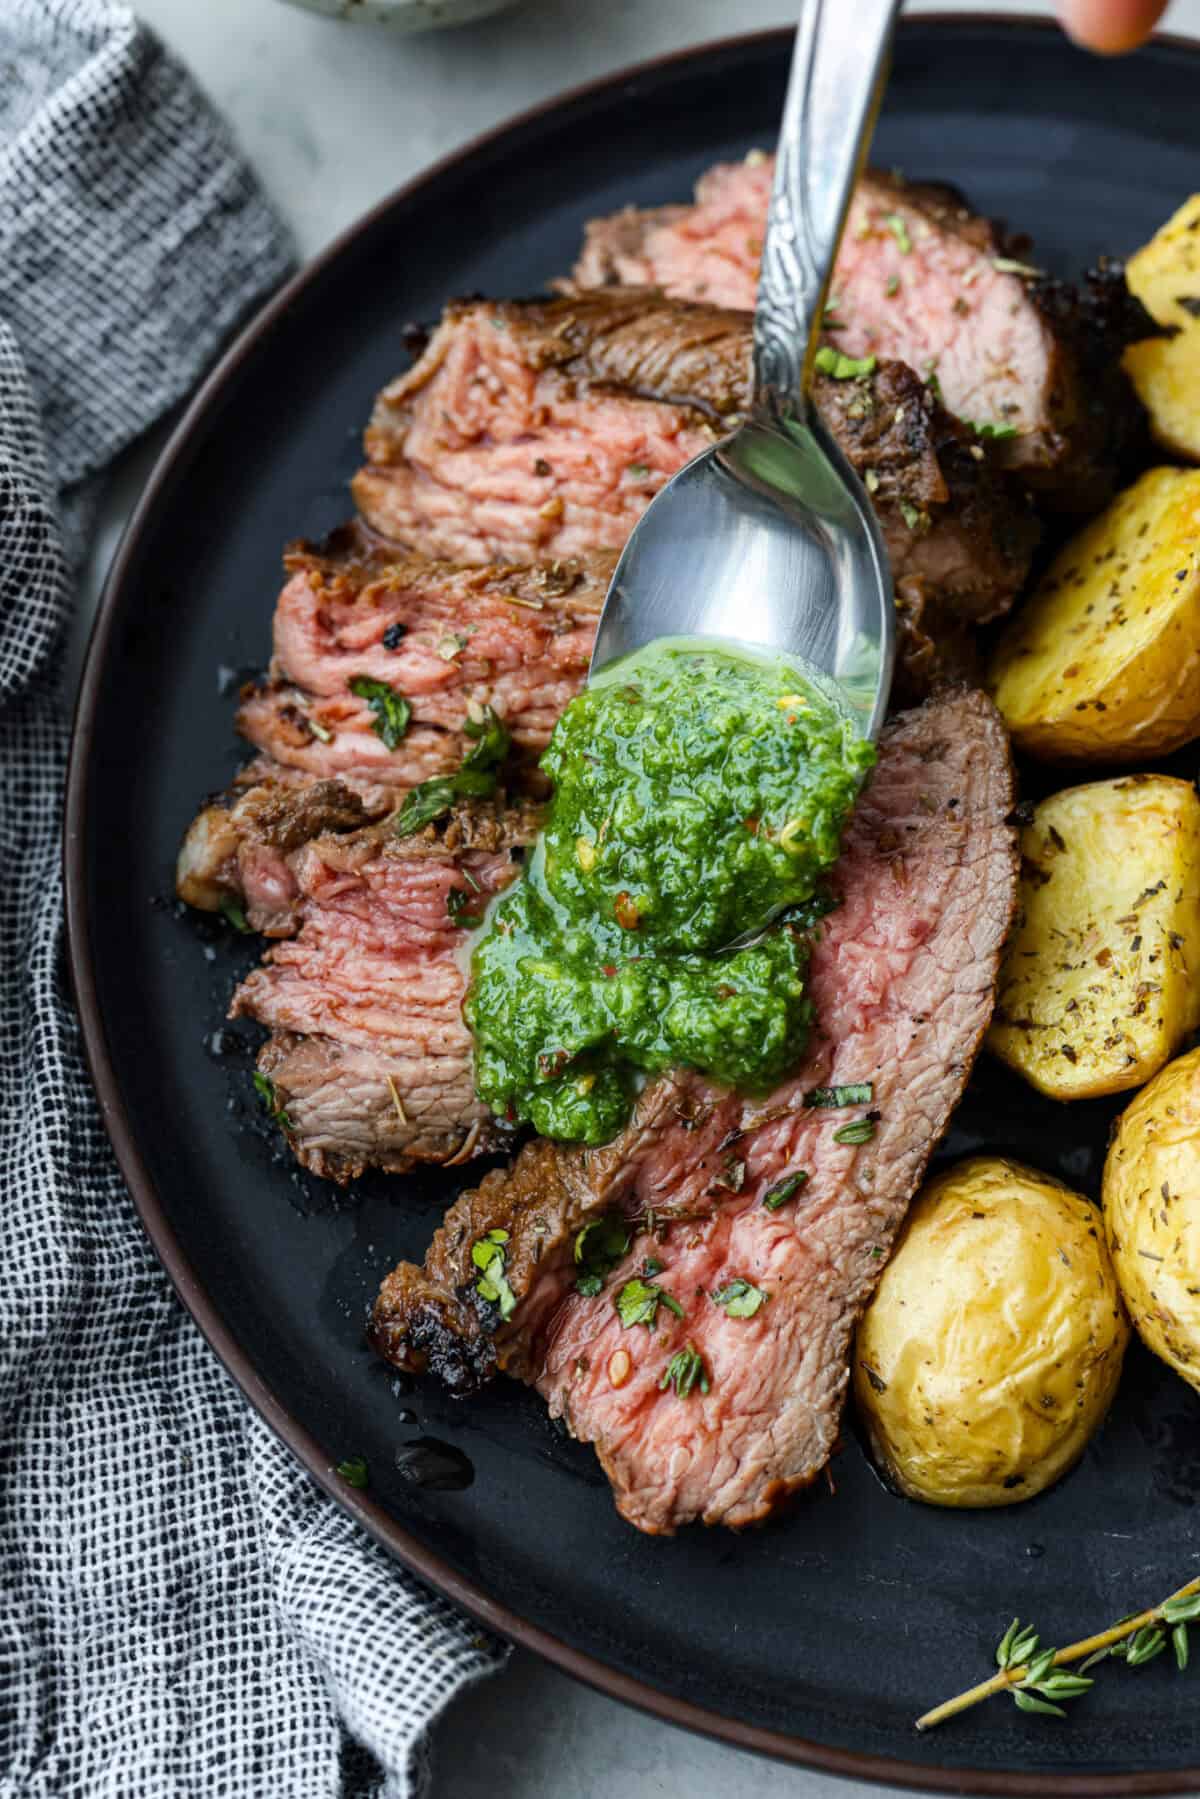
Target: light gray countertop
334 116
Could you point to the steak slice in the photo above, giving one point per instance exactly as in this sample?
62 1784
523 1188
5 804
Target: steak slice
444 637
238 848
370 1060
921 278
903 975
543 429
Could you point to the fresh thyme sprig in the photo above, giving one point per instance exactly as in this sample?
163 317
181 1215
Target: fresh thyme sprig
1028 1672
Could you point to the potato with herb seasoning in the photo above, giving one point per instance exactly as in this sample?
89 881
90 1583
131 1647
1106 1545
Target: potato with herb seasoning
1165 274
993 1346
1103 661
1100 981
1152 1214
1165 277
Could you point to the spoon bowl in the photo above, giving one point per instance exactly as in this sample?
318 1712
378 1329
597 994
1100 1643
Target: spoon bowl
769 538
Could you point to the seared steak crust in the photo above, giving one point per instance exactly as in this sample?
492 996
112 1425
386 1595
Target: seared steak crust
544 428
903 976
922 279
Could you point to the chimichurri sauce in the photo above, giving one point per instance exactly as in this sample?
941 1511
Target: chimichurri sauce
699 794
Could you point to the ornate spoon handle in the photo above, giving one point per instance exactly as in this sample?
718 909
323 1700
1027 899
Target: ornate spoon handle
833 94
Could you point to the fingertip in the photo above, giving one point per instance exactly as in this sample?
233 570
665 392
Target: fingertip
1110 27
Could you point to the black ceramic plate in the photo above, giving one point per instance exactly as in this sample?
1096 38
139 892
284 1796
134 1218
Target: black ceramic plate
822 1637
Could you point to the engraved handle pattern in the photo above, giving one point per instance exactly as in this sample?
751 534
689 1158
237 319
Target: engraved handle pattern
833 94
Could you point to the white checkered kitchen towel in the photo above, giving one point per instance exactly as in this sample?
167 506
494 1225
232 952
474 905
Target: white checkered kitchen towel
181 1611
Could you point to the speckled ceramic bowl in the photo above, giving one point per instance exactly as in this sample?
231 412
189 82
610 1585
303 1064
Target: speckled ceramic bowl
407 15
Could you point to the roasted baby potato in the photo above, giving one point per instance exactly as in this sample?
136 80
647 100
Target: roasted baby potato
1165 275
1166 373
1152 1214
994 1342
1101 976
1103 662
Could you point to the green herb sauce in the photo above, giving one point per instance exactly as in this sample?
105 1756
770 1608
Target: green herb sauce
699 794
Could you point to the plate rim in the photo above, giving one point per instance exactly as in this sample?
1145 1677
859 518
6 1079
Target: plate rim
419 1559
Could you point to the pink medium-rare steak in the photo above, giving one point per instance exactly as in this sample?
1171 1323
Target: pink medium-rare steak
903 975
921 278
369 1057
544 428
445 638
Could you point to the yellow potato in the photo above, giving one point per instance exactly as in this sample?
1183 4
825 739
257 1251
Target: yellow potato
1101 976
1152 1214
994 1342
1166 373
1165 275
1103 662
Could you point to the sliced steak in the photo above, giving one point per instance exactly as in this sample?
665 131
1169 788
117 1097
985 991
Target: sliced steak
921 278
903 974
369 1057
543 429
443 637
239 847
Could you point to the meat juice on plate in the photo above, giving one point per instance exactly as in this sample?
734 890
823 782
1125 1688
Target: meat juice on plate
700 796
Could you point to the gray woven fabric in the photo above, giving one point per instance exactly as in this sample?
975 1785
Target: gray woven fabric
182 1612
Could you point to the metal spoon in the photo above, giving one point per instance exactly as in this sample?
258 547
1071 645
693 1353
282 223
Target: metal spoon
769 538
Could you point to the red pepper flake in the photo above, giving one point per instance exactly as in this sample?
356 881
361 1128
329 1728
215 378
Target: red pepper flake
751 825
626 912
609 968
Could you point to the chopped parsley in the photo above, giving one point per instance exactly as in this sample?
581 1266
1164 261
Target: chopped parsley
782 1191
599 1246
833 1099
354 1471
235 914
684 1371
843 368
639 1299
488 1255
861 1131
997 433
264 1086
899 231
459 903
392 711
476 775
739 1298
637 471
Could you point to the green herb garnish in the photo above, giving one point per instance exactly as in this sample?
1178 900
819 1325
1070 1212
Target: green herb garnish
684 1371
599 1246
431 800
488 1255
892 287
997 433
843 368
235 914
639 1300
354 1471
899 231
476 776
739 1298
860 1093
491 739
459 901
1037 1677
861 1131
637 471
392 711
264 1086
782 1191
